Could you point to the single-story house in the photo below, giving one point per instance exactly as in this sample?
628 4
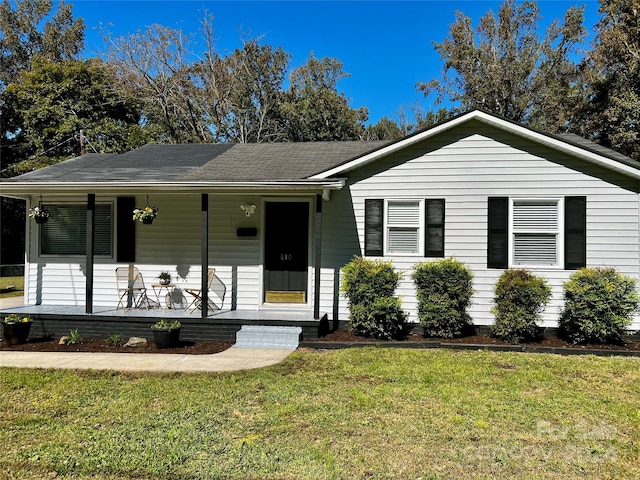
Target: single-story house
278 221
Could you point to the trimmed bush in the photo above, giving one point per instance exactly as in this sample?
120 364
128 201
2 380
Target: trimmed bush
369 286
444 291
520 297
599 305
364 280
383 319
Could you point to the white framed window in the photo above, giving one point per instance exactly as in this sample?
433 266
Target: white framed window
65 233
536 232
403 227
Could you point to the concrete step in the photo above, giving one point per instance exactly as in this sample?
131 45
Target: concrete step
262 336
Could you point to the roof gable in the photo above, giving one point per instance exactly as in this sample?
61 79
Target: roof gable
570 144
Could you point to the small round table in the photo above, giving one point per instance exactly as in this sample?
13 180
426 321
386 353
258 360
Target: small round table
157 290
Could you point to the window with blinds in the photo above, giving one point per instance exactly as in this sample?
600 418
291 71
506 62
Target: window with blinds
535 228
403 227
66 231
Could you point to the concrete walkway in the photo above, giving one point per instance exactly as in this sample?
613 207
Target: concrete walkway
230 360
9 302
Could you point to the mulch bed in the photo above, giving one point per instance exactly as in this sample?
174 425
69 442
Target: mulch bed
478 339
102 346
342 336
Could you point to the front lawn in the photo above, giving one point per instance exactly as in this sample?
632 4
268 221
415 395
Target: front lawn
353 413
7 282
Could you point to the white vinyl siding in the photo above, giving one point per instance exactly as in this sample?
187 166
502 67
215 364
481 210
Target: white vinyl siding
403 227
535 232
172 244
465 166
65 233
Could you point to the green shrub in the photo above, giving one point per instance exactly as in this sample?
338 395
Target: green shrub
599 305
369 285
364 280
520 297
383 319
444 290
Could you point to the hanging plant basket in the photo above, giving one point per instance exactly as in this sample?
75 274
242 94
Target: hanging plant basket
145 215
39 214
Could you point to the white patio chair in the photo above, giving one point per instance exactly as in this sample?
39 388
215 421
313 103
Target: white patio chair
214 285
131 290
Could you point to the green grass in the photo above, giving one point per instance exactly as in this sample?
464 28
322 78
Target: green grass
17 282
355 413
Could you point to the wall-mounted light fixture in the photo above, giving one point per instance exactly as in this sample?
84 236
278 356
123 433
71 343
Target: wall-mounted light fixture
248 209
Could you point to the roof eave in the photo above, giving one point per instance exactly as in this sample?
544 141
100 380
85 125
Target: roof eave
22 189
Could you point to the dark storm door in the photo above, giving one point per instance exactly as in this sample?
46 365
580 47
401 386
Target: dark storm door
286 250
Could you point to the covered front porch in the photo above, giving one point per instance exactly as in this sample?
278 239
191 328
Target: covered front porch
253 214
58 320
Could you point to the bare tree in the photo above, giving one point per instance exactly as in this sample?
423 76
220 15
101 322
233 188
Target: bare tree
156 67
244 90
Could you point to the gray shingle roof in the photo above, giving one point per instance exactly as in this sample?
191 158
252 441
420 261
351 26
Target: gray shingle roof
597 148
280 161
205 162
264 162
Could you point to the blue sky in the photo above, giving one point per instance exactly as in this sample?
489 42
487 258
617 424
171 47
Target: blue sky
385 46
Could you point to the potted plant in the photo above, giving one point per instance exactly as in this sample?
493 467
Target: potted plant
145 215
39 214
15 329
165 278
166 334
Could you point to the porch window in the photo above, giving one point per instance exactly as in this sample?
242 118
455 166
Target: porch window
66 231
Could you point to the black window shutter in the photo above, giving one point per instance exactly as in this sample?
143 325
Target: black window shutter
498 233
434 236
373 224
126 242
575 232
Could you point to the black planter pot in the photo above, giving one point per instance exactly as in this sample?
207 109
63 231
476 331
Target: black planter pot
166 338
16 333
147 221
41 219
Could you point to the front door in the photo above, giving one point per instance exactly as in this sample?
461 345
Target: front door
286 249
